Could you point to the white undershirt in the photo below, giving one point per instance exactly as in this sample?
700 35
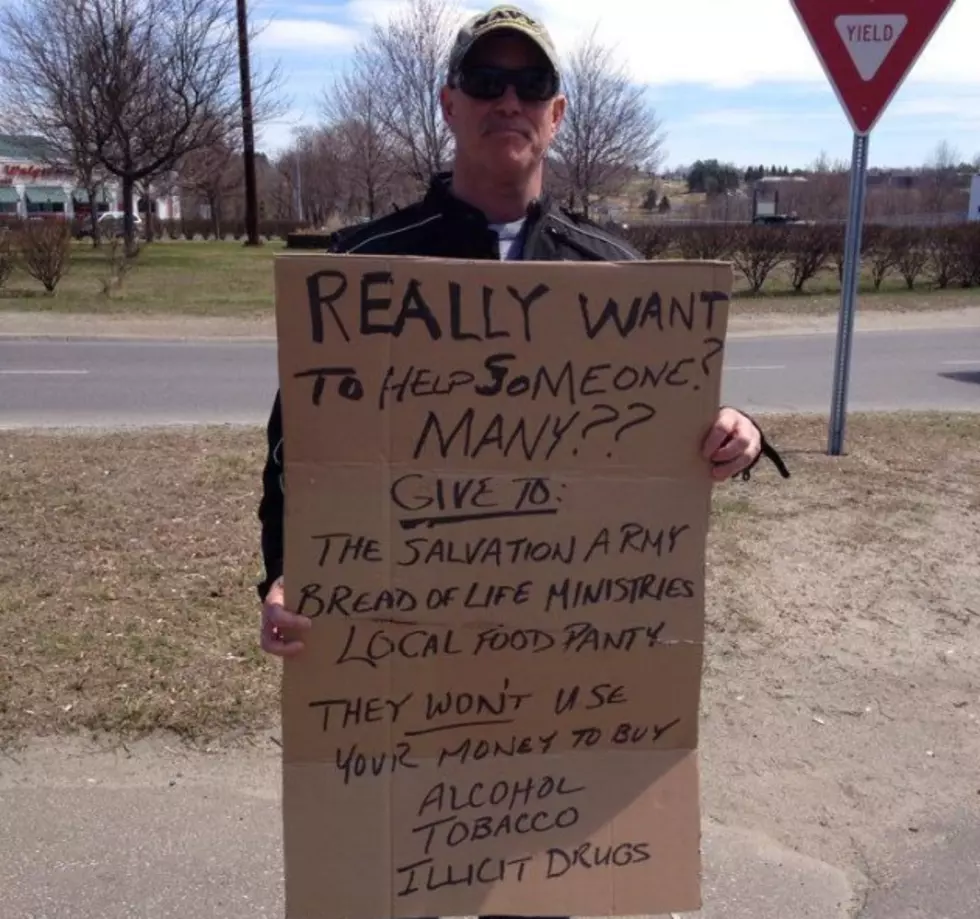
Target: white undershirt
508 236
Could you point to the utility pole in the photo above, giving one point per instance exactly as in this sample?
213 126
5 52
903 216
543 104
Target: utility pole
248 132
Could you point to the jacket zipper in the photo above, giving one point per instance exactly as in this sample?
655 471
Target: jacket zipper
581 248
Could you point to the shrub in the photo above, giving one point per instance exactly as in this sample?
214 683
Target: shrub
949 254
194 227
809 249
116 265
839 244
966 245
757 251
707 241
280 229
879 252
653 240
45 248
942 255
911 254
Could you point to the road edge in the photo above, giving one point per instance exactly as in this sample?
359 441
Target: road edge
47 326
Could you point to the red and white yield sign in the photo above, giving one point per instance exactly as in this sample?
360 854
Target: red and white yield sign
868 47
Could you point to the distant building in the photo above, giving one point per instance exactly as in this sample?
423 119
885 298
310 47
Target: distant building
766 192
33 184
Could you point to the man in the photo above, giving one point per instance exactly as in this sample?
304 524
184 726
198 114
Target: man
503 105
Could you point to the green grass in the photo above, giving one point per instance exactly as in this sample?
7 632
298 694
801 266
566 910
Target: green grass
226 278
190 278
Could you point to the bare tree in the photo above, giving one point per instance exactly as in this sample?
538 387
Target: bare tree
314 166
609 129
39 92
407 57
213 173
354 110
136 84
825 194
276 191
939 179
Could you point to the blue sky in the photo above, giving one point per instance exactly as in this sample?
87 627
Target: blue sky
732 79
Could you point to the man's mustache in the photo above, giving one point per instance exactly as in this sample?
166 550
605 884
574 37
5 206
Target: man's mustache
492 127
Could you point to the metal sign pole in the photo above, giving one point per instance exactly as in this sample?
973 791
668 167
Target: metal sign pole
852 272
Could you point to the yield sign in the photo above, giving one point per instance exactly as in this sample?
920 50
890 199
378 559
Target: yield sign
868 47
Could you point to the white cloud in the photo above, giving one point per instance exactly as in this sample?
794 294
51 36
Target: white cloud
960 105
273 137
704 45
721 43
748 118
735 43
370 12
304 34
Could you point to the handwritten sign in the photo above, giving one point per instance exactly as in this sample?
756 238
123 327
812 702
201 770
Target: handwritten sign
496 513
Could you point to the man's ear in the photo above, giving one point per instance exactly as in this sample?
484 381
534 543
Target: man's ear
558 106
446 103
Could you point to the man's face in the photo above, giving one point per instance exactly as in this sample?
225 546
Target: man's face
508 136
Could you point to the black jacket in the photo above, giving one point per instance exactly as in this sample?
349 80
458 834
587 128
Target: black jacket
442 226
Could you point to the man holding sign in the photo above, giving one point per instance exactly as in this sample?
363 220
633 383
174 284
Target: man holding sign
503 103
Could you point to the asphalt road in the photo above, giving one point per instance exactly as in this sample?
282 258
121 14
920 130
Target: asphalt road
118 383
162 833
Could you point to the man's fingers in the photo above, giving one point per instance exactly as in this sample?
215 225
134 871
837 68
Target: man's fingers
725 424
276 620
732 436
284 619
742 443
272 644
714 439
726 470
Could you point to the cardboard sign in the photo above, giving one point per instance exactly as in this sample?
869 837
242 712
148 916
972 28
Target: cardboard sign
496 513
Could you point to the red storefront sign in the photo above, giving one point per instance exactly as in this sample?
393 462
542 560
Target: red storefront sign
13 171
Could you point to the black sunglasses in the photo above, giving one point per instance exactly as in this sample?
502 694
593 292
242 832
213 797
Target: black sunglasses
532 84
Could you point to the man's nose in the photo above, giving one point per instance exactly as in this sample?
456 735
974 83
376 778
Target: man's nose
509 102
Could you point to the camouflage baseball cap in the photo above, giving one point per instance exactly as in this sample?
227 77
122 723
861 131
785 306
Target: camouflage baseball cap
498 19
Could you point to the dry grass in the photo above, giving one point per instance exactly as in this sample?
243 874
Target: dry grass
126 599
126 580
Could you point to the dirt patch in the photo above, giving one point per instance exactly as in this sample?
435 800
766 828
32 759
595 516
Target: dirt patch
842 697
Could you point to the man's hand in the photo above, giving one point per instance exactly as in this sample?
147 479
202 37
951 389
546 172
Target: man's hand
732 444
276 619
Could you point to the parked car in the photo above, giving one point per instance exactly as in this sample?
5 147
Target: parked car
110 224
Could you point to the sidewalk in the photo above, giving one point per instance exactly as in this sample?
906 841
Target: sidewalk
225 328
164 834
